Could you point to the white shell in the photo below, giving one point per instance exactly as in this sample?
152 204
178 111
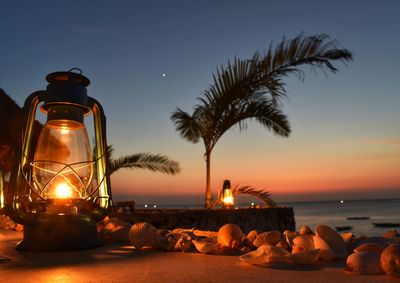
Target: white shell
268 238
304 241
306 257
332 238
267 254
390 260
363 263
230 236
305 230
143 234
326 252
206 246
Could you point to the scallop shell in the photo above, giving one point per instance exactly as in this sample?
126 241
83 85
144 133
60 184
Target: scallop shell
304 241
326 251
143 234
332 238
363 263
372 248
390 260
230 236
305 230
266 254
206 246
268 238
306 257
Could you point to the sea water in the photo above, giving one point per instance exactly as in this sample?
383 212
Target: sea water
336 213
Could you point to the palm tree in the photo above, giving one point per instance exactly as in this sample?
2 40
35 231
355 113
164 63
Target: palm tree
153 162
253 89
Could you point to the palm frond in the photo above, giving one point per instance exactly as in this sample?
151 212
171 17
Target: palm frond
153 162
186 125
248 190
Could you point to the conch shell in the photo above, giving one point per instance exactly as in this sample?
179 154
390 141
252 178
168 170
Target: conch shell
143 234
305 230
230 236
363 263
390 260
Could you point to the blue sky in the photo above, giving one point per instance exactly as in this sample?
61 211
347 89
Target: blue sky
346 133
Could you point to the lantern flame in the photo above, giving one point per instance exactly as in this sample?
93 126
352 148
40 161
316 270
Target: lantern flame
63 191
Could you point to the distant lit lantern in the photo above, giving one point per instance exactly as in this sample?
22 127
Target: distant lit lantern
227 196
61 189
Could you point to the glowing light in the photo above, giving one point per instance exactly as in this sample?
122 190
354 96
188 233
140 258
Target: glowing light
63 191
154 206
145 205
163 75
341 201
228 200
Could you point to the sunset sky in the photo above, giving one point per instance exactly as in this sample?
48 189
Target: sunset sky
345 141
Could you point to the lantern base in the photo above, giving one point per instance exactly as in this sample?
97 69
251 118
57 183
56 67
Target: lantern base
60 233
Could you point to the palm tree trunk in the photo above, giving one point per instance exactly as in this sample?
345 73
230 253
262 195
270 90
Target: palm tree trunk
208 196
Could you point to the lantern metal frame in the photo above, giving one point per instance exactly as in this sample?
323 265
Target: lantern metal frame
59 231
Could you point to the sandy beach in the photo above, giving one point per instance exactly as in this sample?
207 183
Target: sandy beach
116 263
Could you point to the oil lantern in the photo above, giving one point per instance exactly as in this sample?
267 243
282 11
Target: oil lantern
227 196
60 186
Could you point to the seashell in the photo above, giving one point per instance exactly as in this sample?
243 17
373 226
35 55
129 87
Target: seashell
390 260
266 254
390 234
305 230
304 241
283 245
205 234
306 257
372 248
332 238
206 246
174 242
363 263
230 236
289 236
112 224
143 234
252 235
120 234
326 251
296 249
268 238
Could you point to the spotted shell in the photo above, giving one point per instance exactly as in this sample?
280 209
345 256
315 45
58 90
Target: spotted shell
370 247
268 238
363 263
390 260
143 234
230 236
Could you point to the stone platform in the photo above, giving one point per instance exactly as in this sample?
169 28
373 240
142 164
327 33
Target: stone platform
261 219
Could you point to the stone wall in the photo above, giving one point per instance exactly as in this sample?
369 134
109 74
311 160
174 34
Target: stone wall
261 219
